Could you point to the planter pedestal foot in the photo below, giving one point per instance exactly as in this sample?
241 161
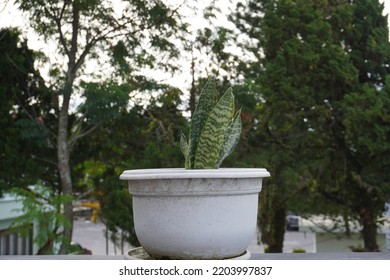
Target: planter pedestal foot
140 254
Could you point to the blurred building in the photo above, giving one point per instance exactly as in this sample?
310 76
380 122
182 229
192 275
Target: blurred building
330 234
12 243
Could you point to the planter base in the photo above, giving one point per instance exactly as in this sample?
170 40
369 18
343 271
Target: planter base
195 214
140 254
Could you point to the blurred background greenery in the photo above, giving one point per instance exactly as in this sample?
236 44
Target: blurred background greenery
311 76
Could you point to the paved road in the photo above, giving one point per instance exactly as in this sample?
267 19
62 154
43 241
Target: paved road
92 237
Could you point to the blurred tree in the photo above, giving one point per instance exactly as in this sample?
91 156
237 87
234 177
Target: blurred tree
366 117
26 150
145 137
42 208
211 46
85 31
117 214
319 67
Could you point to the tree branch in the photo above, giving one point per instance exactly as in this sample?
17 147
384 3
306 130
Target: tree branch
74 139
73 44
58 23
280 143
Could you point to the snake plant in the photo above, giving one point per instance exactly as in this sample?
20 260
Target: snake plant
215 129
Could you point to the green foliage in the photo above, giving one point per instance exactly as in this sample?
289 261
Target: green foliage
139 137
215 129
89 31
368 109
319 68
42 207
104 101
25 141
298 250
117 213
368 41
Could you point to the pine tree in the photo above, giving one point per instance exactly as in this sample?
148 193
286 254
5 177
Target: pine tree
319 67
366 117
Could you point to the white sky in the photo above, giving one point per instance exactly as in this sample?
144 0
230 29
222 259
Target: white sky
10 16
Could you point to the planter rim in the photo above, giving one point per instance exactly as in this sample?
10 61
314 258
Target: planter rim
181 173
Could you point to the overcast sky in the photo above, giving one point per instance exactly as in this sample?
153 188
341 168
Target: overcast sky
10 16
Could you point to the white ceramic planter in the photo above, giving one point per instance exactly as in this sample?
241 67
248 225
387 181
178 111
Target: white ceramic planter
195 214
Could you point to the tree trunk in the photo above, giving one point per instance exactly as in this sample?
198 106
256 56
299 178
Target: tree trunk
193 88
369 231
278 228
63 144
272 220
63 155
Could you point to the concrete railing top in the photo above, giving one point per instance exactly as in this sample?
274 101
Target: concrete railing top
284 256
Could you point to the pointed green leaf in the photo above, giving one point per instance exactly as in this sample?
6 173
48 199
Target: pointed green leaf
213 133
184 144
206 103
184 148
232 136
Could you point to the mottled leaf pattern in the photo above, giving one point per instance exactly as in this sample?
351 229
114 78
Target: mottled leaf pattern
184 148
215 129
207 100
212 136
232 136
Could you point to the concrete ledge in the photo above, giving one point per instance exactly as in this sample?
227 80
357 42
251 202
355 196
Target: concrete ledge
64 257
285 256
322 256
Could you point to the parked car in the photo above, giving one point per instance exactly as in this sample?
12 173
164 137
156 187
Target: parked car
292 222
